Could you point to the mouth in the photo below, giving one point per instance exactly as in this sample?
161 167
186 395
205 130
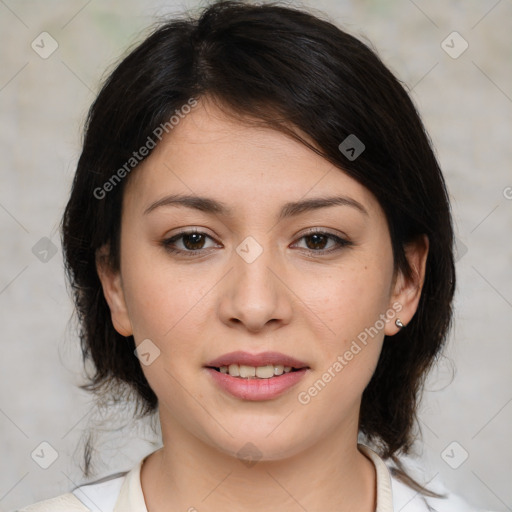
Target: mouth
256 377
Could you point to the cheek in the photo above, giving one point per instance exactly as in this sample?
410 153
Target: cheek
353 304
157 293
167 310
164 303
348 300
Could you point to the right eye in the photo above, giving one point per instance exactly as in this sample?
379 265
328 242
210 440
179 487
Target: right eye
192 243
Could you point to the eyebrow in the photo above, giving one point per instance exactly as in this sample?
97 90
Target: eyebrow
291 209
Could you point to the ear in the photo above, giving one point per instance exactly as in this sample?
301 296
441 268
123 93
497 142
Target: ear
113 292
406 291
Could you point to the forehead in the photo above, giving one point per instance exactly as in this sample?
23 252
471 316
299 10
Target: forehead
211 153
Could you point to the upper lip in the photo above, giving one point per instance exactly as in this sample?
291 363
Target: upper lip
261 359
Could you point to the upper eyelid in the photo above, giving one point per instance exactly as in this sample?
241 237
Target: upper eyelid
310 231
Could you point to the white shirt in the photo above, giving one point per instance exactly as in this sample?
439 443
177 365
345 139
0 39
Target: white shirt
123 493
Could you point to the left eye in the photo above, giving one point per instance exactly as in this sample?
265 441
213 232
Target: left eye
318 240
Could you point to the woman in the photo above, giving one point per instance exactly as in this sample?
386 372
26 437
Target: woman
260 245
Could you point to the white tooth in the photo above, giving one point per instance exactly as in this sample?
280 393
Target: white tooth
278 369
234 370
247 371
261 372
265 372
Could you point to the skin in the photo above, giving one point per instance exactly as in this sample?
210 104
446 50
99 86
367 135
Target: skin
310 305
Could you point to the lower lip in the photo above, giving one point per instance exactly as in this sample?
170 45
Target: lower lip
257 389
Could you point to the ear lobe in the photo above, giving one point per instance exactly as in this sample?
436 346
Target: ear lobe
407 289
113 292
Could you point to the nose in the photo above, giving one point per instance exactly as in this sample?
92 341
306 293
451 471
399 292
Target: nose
254 295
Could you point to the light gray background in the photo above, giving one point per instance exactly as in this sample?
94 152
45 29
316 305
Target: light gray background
466 104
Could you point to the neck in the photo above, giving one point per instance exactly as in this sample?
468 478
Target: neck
187 474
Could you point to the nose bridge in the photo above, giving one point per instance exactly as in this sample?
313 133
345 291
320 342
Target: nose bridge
253 295
252 267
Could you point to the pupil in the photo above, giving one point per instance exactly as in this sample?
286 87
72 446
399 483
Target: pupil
190 241
318 239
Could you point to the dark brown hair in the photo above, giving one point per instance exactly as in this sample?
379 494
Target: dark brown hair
296 73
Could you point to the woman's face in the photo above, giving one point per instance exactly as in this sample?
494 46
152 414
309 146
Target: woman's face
255 278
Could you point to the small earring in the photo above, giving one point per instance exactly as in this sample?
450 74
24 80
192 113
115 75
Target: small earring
399 323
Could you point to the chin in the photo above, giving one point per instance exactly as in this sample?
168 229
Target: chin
258 445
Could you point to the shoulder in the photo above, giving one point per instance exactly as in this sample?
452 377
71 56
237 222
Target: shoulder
406 499
102 495
98 496
395 495
63 503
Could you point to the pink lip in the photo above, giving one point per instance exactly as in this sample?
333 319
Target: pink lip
261 359
254 388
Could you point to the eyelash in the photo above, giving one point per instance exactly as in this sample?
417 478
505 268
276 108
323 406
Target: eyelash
168 243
